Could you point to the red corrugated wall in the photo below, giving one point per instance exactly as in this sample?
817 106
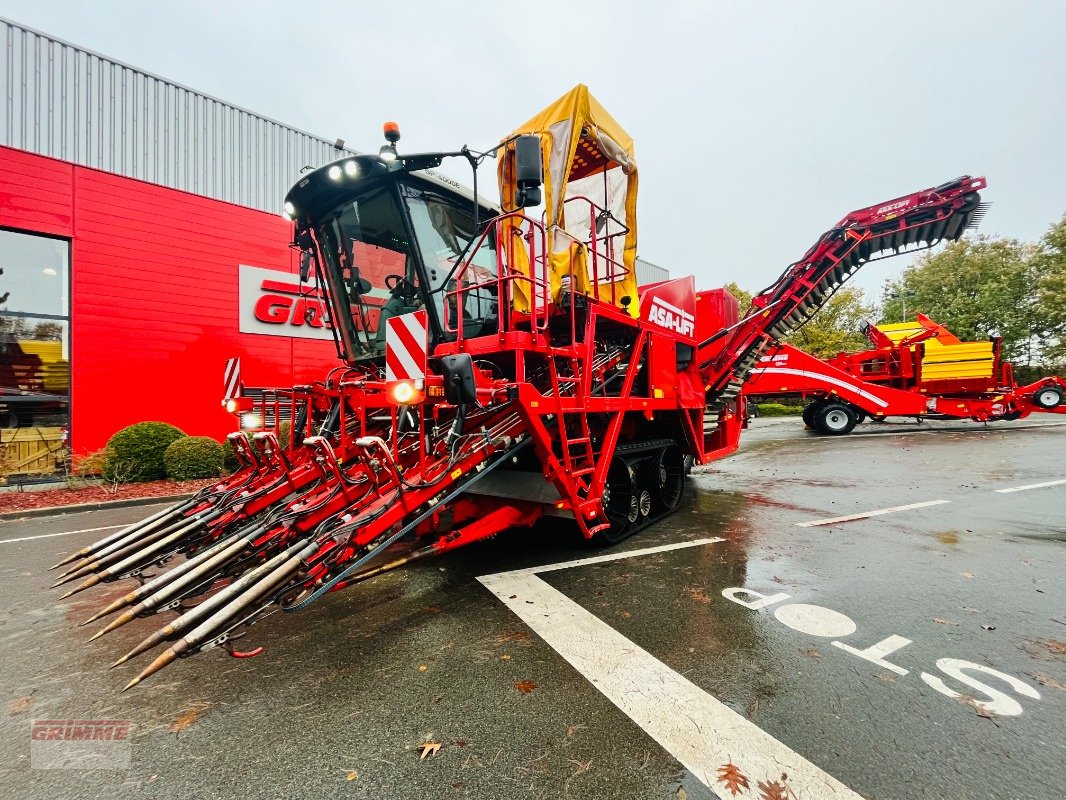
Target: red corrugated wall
154 295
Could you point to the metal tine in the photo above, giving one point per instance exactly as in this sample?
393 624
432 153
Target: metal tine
203 573
139 558
113 537
160 527
199 612
175 572
294 557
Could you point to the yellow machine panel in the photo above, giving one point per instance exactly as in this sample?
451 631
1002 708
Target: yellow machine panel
946 360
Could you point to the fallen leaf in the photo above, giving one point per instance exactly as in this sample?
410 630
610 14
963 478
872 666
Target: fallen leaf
973 703
431 609
972 610
732 778
505 657
625 614
1046 680
681 793
20 706
810 652
772 790
351 776
943 621
525 687
429 749
699 595
966 574
187 718
422 667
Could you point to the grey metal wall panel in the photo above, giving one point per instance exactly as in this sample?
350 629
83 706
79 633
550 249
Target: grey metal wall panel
66 102
650 273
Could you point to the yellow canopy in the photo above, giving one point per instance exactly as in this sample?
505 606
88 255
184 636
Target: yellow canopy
588 154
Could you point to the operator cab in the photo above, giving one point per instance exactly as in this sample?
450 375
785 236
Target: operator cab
385 241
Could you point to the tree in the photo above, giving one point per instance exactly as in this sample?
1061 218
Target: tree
835 326
1049 265
743 296
833 329
977 288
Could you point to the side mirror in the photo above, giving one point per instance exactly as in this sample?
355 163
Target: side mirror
458 373
305 266
529 171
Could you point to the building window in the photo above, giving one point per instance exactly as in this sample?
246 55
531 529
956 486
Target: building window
34 355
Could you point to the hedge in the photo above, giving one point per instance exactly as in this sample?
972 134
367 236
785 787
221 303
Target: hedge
193 457
229 458
779 410
136 453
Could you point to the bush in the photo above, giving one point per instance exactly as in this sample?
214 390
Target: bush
136 453
229 458
193 457
779 410
91 464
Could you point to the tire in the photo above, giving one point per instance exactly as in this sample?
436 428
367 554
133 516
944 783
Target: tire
620 501
835 419
666 479
1049 397
809 412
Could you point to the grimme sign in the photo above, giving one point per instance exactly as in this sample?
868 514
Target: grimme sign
274 303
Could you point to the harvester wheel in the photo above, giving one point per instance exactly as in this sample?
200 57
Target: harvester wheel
620 504
809 411
835 419
1049 397
666 479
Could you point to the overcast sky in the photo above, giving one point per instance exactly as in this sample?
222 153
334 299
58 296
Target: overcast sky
757 124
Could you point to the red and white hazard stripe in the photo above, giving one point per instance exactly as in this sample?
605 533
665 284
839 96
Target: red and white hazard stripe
406 347
232 379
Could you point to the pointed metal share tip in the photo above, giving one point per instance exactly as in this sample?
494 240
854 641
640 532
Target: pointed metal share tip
131 684
91 581
118 622
80 554
154 667
122 660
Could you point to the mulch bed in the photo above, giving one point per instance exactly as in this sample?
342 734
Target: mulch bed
24 501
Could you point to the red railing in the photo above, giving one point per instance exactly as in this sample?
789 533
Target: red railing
605 269
506 233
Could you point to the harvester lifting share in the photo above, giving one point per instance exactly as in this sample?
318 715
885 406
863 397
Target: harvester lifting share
497 367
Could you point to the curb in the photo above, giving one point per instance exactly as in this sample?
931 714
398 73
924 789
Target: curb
104 504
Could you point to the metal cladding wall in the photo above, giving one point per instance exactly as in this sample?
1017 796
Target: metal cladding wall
650 273
62 101
154 297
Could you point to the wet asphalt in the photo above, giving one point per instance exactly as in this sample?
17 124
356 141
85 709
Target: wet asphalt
346 692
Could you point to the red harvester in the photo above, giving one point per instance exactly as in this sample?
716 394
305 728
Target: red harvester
915 369
497 367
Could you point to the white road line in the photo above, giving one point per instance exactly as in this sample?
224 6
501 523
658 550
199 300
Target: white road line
699 731
63 533
1031 486
581 562
849 517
